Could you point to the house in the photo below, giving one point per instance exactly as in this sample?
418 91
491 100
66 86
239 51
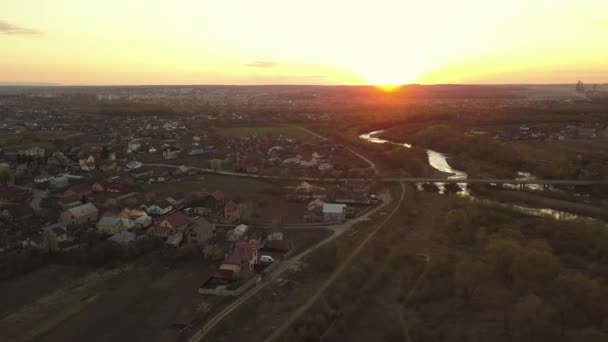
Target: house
122 237
214 201
70 201
242 259
108 165
105 186
8 194
157 208
133 145
16 212
131 213
142 222
315 205
334 212
113 225
232 211
87 164
33 151
171 152
175 221
133 165
325 167
43 177
58 182
79 190
80 214
59 229
175 239
200 231
238 233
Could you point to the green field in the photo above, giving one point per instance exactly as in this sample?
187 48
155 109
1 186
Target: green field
292 132
143 301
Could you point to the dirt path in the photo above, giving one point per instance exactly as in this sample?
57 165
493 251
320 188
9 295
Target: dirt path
284 266
302 309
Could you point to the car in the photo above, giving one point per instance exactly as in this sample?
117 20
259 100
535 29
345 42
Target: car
266 259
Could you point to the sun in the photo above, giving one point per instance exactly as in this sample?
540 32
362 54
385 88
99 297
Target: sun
388 77
388 88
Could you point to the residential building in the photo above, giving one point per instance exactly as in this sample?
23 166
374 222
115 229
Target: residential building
171 153
79 190
84 213
59 182
242 259
8 194
43 177
113 225
157 208
334 212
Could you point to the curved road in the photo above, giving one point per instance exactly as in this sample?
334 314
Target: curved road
286 265
399 180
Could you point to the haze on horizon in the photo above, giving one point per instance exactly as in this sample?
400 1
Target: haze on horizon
303 42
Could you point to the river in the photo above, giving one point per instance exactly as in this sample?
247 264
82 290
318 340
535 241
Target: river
439 161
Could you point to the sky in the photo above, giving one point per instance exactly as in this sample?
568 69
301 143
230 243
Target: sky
114 42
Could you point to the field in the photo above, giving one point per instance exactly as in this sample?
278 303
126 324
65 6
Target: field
555 151
25 140
266 196
143 301
291 132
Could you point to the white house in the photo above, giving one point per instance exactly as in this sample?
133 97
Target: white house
133 165
334 212
133 145
157 208
87 164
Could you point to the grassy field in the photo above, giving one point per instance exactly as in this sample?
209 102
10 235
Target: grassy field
292 132
143 301
265 196
552 150
30 139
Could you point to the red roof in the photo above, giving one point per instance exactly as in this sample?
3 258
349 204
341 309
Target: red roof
177 219
242 253
8 193
79 189
218 195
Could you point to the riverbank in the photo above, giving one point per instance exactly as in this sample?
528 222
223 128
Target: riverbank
540 201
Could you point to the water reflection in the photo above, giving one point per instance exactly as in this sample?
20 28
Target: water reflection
437 160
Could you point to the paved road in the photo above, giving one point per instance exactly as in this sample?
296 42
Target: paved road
402 179
302 309
284 266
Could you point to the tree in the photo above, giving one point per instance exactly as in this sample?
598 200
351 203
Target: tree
51 242
533 269
532 320
5 177
468 278
501 253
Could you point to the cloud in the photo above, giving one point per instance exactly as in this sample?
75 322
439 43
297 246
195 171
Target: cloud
262 64
8 28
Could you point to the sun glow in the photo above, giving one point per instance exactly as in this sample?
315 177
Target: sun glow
380 42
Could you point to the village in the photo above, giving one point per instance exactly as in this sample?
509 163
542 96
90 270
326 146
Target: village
153 178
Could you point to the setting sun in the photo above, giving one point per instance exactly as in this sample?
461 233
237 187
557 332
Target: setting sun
313 42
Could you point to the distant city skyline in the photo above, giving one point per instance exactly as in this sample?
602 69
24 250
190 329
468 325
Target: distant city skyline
241 42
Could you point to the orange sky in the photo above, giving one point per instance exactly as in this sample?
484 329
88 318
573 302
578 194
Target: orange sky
303 42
